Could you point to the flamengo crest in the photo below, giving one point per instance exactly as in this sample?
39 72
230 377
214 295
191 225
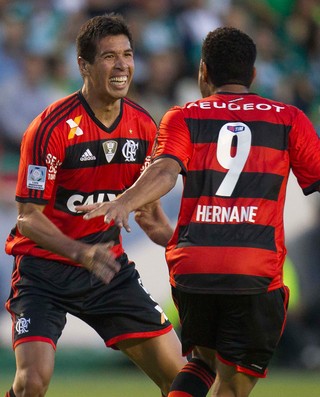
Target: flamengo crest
129 150
22 325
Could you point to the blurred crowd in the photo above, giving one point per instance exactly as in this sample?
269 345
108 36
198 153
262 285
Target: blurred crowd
38 63
38 58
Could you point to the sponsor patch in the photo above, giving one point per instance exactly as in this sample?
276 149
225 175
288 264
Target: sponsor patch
87 156
36 177
74 127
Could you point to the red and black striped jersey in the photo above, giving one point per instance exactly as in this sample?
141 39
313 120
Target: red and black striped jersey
68 158
235 152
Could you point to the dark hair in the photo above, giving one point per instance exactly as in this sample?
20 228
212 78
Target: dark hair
95 29
229 55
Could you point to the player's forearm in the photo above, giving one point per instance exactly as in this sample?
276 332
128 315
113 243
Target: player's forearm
160 235
38 228
156 181
97 258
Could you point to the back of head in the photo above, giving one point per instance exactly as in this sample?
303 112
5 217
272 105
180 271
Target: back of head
229 55
95 29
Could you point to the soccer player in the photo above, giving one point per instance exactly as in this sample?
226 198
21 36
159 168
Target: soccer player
85 148
235 150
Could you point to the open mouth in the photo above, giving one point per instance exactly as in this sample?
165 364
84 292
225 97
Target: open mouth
119 81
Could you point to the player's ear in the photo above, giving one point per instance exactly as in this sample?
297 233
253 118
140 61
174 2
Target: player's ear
204 80
83 65
203 71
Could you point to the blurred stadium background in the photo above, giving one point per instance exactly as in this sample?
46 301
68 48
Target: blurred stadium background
38 65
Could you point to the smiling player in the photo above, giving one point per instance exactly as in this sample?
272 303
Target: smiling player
88 147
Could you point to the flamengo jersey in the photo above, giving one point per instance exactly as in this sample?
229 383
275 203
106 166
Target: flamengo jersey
235 152
68 158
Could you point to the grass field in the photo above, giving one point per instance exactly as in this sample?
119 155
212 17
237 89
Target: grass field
130 382
114 377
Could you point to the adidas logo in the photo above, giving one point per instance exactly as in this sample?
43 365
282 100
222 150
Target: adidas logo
87 156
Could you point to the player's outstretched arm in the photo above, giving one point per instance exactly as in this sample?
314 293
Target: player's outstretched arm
98 258
157 180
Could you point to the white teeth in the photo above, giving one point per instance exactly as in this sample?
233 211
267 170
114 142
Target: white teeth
119 79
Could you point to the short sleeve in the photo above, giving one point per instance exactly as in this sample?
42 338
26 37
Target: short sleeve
152 132
173 139
41 156
304 151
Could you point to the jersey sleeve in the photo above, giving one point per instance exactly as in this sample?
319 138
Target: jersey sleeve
173 138
304 151
42 153
151 128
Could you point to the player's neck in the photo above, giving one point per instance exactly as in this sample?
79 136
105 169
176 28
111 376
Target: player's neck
105 111
107 114
232 88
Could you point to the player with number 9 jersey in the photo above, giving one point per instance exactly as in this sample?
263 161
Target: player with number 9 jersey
235 152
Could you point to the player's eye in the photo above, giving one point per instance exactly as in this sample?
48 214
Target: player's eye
108 56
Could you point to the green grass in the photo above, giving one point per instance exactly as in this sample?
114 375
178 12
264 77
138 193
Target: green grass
122 382
125 382
281 383
87 374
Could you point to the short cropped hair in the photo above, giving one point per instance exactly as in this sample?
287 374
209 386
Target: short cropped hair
230 55
95 29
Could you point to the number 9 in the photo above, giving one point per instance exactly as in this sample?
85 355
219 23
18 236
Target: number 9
234 164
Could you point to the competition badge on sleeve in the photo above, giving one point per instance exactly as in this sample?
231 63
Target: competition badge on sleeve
36 177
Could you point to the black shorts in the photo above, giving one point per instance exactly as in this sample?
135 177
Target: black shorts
243 329
43 292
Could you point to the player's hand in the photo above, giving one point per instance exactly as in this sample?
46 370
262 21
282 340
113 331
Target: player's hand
110 210
100 260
